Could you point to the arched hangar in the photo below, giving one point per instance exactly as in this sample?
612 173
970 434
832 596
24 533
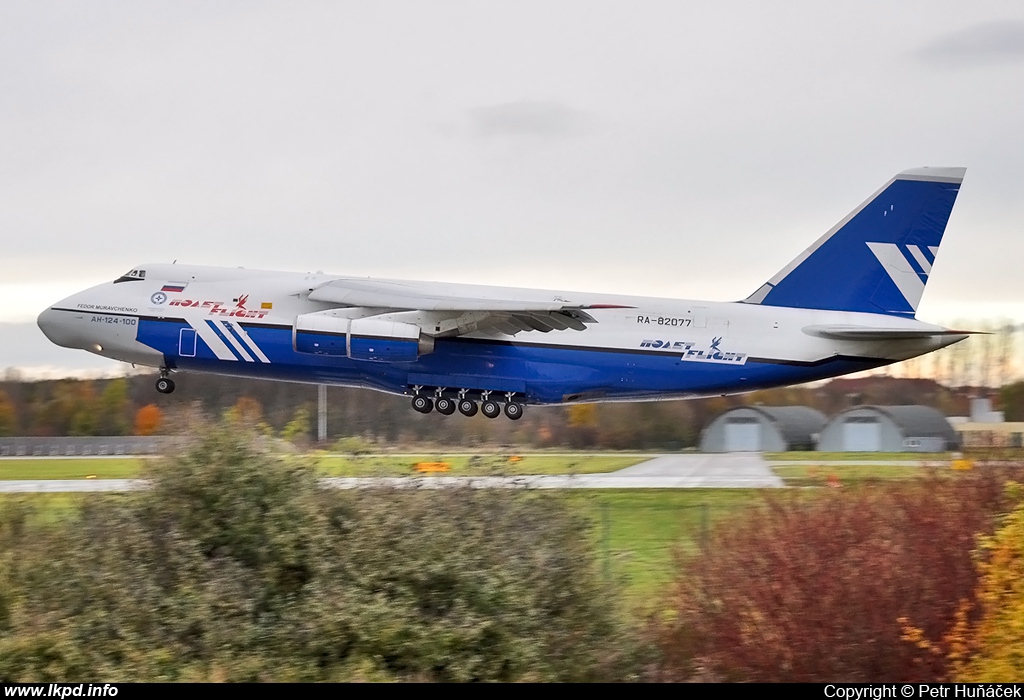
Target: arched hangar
763 429
889 429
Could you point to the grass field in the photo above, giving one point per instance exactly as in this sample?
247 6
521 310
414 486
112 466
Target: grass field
114 468
639 533
479 465
342 465
48 507
839 474
857 456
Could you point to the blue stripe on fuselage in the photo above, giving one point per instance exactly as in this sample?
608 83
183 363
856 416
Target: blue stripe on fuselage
549 373
224 339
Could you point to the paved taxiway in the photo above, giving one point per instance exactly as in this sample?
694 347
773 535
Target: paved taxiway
735 470
71 485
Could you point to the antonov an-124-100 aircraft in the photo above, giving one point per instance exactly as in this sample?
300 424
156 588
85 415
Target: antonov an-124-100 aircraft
845 304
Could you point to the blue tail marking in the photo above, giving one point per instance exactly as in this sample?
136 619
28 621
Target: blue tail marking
878 258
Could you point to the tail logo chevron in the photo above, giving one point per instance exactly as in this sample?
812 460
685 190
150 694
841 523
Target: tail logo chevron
902 225
900 268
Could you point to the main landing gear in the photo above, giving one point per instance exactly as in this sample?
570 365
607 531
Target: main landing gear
467 406
165 385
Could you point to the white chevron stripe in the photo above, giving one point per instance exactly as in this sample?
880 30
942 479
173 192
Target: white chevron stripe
920 258
215 343
934 250
249 342
234 342
900 271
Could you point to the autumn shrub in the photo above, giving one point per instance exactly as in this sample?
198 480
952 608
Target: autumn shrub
148 419
826 585
236 565
991 650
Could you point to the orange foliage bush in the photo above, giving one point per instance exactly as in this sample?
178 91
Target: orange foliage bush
822 587
148 419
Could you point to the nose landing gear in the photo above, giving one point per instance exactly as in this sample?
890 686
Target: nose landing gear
165 385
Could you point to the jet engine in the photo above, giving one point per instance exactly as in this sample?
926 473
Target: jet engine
370 338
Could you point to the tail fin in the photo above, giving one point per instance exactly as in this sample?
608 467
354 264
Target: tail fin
878 258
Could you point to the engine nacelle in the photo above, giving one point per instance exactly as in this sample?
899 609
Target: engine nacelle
384 341
317 334
371 339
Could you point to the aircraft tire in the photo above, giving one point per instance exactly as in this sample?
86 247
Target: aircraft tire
164 385
491 409
513 410
422 404
467 407
445 405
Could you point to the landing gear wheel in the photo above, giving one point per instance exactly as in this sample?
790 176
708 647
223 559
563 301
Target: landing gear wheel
164 385
422 404
491 409
445 405
513 410
467 407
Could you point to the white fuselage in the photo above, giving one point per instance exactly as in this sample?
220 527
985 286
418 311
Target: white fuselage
243 322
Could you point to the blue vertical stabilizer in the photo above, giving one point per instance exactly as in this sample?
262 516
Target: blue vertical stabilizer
878 258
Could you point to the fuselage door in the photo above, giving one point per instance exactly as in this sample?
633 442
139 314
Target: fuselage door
187 342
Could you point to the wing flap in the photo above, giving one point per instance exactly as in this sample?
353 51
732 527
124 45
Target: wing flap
424 296
460 309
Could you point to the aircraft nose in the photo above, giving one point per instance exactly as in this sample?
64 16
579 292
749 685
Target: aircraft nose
47 322
50 324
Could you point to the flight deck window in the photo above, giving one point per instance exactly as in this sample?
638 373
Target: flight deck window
132 276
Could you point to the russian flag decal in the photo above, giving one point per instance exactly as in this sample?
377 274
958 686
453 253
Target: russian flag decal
173 288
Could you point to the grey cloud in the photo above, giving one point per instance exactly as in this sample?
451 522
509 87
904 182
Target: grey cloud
991 42
526 118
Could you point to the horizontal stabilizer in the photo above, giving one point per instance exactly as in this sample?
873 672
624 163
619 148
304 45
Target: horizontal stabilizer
847 332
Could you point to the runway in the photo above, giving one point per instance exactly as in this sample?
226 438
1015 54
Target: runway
734 470
72 485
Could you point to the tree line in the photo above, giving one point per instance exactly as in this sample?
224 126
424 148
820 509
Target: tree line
129 405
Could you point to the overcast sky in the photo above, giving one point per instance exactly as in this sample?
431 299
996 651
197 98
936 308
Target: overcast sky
664 148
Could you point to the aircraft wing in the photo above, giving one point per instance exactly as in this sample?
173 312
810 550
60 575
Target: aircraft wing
455 309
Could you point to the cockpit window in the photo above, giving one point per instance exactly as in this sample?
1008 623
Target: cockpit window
131 276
